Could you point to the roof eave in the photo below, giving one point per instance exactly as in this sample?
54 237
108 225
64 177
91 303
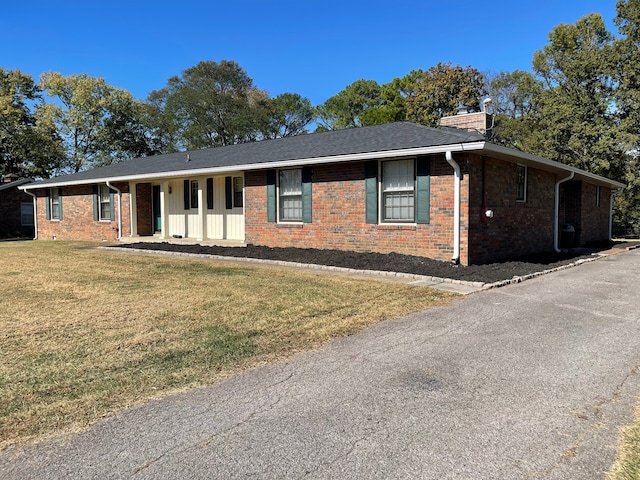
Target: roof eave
525 158
480 147
268 165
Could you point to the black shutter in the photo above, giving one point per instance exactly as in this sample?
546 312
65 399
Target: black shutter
112 207
60 203
271 196
423 190
96 203
306 194
187 194
210 193
47 200
371 189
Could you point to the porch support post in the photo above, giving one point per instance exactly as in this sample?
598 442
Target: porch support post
133 209
202 209
164 210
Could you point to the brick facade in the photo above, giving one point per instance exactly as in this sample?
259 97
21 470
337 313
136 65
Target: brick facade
516 228
77 221
339 217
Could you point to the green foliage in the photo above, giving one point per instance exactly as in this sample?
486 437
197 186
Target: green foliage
347 108
29 145
217 104
286 115
581 128
626 69
97 123
439 91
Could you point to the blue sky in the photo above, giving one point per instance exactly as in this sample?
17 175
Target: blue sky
313 48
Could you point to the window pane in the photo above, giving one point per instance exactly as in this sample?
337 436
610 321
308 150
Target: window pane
238 183
105 203
399 206
291 182
55 203
104 193
291 208
398 182
290 193
105 211
398 175
521 183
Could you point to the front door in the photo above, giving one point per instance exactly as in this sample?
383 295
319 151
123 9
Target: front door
157 213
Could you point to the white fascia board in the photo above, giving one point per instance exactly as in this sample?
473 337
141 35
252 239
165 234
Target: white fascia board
546 164
408 152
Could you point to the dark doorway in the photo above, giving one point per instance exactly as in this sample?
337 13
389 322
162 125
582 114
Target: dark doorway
157 214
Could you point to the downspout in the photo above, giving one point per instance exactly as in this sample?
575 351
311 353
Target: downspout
556 212
119 208
35 214
456 207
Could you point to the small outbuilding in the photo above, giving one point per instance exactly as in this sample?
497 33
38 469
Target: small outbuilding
444 193
16 208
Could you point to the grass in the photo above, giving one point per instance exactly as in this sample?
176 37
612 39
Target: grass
627 466
86 333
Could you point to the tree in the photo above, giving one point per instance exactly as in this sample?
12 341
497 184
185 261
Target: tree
95 121
439 91
348 107
516 109
577 104
626 61
29 145
210 105
287 115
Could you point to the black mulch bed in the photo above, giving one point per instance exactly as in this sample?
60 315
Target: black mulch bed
391 262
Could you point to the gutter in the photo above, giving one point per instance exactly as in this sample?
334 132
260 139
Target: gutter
35 214
456 207
119 208
556 212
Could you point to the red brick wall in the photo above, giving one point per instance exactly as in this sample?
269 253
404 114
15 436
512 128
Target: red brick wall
578 208
517 228
77 216
10 217
339 220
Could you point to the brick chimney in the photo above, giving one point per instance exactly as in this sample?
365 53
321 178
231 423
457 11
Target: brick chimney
11 177
479 122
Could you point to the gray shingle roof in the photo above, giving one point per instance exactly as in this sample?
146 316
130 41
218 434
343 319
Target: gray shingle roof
377 138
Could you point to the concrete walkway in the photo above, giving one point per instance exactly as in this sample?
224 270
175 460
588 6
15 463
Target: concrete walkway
527 381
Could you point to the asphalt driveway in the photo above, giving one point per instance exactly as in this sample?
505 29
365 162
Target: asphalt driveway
527 381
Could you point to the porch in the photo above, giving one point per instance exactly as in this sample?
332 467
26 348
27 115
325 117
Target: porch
197 210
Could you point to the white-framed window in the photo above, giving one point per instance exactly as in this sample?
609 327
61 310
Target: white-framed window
195 186
521 184
290 195
26 214
104 197
238 186
54 204
398 191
